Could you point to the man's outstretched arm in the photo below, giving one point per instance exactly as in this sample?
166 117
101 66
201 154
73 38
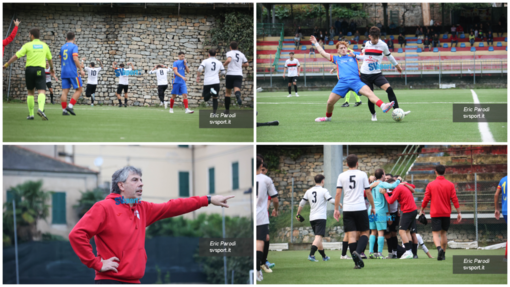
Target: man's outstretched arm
319 48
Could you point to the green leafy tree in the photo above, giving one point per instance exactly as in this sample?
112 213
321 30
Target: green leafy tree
31 205
232 26
88 199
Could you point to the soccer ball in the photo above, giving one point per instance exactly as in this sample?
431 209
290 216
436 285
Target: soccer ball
398 115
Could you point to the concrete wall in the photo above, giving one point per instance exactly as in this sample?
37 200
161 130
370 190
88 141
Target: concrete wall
145 37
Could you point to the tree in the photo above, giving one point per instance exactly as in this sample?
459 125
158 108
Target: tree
88 199
31 206
233 26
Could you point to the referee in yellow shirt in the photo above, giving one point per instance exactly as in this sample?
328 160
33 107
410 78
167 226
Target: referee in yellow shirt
37 53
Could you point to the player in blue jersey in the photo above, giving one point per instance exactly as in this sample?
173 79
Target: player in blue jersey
69 63
180 68
502 187
348 79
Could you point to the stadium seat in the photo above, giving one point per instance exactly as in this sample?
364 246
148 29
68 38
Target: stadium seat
436 50
445 36
364 42
349 42
418 42
462 45
445 45
303 48
505 39
481 44
418 50
355 47
453 49
400 50
349 34
393 38
499 44
462 36
491 49
473 49
331 43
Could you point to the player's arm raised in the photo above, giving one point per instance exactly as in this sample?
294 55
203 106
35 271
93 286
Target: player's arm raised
114 65
131 64
83 63
319 48
100 63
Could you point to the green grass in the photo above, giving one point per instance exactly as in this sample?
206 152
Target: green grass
292 267
112 124
430 119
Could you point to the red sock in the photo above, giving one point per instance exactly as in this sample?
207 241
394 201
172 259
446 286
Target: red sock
379 103
328 115
185 103
64 104
171 103
72 102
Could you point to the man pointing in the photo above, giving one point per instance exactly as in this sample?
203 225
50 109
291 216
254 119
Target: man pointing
118 223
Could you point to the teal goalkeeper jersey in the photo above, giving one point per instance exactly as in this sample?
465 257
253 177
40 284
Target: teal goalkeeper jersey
381 206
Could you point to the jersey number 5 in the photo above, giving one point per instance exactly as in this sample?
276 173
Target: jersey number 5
237 57
352 179
65 54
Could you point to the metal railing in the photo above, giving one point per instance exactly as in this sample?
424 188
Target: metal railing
269 29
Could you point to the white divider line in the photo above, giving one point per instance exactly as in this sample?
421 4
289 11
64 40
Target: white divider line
483 126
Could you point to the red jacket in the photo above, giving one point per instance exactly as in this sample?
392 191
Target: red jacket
9 39
119 231
439 192
404 196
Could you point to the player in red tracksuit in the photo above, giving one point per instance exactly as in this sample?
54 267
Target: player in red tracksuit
11 37
440 192
118 227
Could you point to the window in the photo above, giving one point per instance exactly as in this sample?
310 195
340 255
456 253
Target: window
211 181
183 183
58 208
235 175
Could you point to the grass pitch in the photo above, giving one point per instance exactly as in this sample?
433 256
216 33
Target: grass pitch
112 124
431 118
292 267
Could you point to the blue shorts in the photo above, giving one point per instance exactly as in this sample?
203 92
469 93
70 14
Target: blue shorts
344 86
379 221
74 82
179 89
504 216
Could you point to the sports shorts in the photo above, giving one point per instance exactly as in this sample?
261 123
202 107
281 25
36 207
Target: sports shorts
440 223
292 79
319 227
373 79
262 232
408 221
120 88
48 85
35 77
356 221
179 89
378 221
344 86
234 81
90 90
75 83
207 93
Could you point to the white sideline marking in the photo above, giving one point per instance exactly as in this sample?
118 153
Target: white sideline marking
483 127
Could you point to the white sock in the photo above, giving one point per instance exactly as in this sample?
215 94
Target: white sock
328 118
70 105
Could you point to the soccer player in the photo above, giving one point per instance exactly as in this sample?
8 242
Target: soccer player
180 68
161 72
380 221
212 67
349 94
123 75
48 80
400 250
501 188
234 64
371 73
354 182
404 194
37 53
264 189
294 68
440 192
318 198
267 266
70 62
348 79
11 37
93 75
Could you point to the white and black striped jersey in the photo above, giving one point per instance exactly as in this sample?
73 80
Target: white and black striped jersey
235 67
353 184
392 208
92 75
318 198
373 55
292 66
212 67
264 189
162 75
48 75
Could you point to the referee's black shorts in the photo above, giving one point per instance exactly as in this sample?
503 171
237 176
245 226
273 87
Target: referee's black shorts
35 77
373 79
356 221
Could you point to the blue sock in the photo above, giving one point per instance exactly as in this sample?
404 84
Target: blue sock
372 243
380 243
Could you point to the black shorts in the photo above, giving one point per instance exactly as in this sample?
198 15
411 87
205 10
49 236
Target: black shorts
206 92
408 221
48 85
394 226
292 79
373 79
440 223
91 89
162 88
356 221
262 232
234 81
35 77
122 87
319 227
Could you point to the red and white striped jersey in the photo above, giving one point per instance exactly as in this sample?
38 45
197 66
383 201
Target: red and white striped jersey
373 56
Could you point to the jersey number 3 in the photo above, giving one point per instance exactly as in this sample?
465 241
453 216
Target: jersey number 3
314 200
214 66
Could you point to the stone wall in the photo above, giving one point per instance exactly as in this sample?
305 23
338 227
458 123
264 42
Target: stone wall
414 16
145 37
311 163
